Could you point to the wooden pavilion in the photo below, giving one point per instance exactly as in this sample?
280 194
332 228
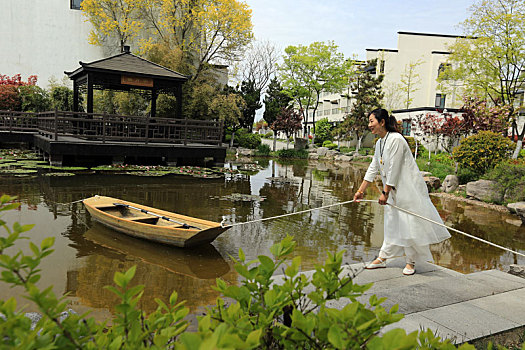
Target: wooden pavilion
126 72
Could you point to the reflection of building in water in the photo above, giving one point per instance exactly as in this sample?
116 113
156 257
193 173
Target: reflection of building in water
87 283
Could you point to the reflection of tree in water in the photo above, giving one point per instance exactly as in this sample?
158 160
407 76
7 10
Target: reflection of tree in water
316 232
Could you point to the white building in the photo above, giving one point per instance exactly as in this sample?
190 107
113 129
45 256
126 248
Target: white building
426 54
44 38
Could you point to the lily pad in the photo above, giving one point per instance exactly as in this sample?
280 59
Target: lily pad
148 173
241 197
59 174
17 171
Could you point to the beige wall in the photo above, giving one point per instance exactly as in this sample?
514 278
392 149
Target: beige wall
428 49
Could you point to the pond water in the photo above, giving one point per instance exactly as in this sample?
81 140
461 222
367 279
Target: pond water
87 255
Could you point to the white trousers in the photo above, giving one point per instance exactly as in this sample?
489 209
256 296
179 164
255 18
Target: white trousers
412 254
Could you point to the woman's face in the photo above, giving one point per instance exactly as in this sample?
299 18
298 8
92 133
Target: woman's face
374 126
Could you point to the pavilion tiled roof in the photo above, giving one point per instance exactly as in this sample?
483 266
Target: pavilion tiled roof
128 63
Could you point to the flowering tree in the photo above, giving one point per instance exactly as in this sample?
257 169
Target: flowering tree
113 20
447 130
288 121
10 90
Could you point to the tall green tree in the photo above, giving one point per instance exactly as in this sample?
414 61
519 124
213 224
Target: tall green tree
368 96
252 98
306 71
491 58
275 100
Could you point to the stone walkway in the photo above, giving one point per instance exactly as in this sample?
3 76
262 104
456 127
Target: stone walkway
455 306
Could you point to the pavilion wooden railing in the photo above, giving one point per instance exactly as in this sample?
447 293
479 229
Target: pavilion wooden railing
18 121
106 127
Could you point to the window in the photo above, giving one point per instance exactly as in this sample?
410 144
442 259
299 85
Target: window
440 100
382 67
75 4
406 127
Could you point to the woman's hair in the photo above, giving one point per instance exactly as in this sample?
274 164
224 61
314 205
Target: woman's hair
390 120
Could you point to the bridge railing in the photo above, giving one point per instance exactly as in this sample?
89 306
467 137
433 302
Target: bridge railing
109 127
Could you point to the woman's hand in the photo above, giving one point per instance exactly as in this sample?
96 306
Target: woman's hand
358 195
383 198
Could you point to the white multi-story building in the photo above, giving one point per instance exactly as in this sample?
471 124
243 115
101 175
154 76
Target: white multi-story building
44 38
419 57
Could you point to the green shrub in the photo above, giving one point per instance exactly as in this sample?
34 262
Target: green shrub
291 153
329 144
263 150
345 149
465 175
34 99
510 175
247 139
411 144
268 135
323 131
522 153
482 151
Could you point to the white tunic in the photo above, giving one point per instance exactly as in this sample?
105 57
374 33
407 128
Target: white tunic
409 191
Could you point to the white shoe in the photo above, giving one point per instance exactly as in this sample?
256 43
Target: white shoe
379 265
408 271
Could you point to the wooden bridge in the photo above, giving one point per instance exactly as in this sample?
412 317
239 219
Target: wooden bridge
76 137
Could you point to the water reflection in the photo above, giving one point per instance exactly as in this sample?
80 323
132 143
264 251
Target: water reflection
88 255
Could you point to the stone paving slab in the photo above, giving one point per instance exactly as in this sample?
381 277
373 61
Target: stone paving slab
454 306
509 305
415 322
469 321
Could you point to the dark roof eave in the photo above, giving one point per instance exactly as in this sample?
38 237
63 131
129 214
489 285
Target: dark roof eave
87 69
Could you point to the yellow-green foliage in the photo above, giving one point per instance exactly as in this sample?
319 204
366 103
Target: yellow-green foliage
482 151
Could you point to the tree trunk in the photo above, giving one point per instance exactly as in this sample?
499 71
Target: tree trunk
274 140
231 140
519 144
358 145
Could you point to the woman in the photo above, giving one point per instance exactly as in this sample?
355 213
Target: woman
404 187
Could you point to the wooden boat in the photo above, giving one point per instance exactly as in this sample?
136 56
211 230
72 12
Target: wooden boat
152 224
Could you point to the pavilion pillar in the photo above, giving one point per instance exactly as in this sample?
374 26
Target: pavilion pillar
178 96
75 96
89 93
153 103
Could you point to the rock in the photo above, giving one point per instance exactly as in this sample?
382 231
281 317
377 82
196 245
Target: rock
432 182
462 188
331 153
425 173
450 184
300 143
321 151
518 208
244 152
313 156
517 270
485 190
343 158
